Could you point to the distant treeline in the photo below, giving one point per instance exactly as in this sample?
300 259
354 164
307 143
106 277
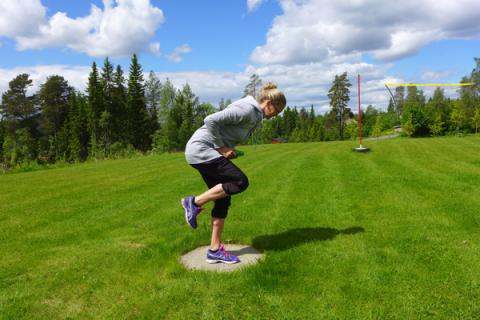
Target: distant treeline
118 116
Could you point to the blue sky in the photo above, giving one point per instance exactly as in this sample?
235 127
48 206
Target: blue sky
215 45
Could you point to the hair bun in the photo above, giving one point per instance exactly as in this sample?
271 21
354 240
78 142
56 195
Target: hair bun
270 86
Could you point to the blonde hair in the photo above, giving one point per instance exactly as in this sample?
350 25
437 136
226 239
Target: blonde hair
271 92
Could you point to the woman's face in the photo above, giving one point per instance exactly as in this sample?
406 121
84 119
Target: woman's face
269 110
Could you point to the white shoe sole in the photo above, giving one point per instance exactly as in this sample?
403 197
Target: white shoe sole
186 215
221 261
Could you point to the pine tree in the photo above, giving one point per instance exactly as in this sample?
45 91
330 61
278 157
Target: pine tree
94 91
391 106
82 126
107 84
18 109
289 121
119 107
221 104
339 97
200 113
172 126
54 102
137 127
253 87
73 148
105 121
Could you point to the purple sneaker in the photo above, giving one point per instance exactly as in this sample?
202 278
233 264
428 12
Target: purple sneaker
191 211
221 256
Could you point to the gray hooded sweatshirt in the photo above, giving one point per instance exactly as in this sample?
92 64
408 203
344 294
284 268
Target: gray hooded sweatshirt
225 128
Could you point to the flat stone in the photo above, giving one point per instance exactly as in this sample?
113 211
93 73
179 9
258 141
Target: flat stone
196 259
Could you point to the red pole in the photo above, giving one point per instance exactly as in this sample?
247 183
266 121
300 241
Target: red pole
359 112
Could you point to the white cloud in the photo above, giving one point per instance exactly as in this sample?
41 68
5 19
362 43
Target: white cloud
176 55
154 48
120 29
20 18
253 4
436 75
315 30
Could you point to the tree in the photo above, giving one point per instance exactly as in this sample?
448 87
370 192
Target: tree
391 106
171 139
107 84
18 109
138 128
188 103
368 120
201 112
475 78
166 138
457 117
94 93
2 137
378 126
104 125
54 98
408 127
339 97
476 119
252 88
399 100
351 129
105 120
289 121
153 90
221 104
18 148
414 111
436 127
119 107
167 100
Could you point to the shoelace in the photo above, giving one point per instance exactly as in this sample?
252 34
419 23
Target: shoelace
225 252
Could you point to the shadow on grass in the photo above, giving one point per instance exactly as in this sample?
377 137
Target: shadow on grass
295 237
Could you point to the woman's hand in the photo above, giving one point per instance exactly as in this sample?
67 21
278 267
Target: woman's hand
227 152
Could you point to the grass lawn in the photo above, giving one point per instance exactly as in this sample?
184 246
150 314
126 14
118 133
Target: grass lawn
392 234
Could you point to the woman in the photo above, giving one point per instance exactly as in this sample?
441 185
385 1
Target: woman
209 151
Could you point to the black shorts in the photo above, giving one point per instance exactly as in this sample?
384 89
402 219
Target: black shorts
222 171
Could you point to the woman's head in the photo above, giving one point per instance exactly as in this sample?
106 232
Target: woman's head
272 101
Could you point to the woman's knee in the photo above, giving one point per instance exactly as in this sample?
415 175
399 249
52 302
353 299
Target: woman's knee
243 183
240 184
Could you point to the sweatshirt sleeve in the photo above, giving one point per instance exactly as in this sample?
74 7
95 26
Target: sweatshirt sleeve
226 117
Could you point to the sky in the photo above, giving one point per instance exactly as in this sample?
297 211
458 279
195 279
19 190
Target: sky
216 45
